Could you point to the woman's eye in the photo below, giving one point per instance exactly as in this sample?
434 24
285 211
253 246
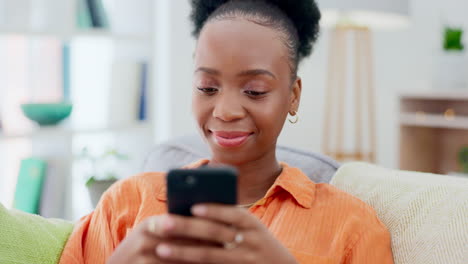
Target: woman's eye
208 90
254 93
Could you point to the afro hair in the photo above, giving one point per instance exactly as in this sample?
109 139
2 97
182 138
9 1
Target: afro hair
304 15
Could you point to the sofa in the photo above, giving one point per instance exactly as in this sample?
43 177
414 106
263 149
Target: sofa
186 149
426 214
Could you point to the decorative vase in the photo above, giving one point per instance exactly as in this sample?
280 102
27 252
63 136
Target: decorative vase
47 114
452 71
97 188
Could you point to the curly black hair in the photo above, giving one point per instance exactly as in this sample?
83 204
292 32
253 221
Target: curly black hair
297 19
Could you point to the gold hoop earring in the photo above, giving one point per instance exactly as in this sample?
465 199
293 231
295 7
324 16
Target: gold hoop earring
295 120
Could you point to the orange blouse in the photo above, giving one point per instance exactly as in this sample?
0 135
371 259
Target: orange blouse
317 222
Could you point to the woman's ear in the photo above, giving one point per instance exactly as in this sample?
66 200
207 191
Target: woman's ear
295 95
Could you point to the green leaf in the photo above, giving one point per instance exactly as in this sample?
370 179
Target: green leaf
453 39
463 159
110 176
90 181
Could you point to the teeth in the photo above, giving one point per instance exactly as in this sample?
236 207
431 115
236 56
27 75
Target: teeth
234 137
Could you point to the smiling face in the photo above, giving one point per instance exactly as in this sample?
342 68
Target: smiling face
242 89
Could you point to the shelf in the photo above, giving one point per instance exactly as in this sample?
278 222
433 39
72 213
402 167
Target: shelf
98 33
63 131
433 121
461 94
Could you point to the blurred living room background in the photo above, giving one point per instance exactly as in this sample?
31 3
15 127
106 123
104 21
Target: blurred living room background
122 71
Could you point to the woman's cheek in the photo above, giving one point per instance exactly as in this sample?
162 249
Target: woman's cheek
201 109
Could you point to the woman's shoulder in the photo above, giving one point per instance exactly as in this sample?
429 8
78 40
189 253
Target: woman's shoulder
137 188
147 179
143 181
329 196
324 197
143 187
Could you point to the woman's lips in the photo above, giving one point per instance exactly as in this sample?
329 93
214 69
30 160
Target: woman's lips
230 139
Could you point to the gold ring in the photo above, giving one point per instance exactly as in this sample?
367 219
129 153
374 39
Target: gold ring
238 239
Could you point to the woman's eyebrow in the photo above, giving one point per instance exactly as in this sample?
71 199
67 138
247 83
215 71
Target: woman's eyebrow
208 70
256 72
253 72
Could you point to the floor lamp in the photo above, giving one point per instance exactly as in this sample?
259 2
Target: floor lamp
351 74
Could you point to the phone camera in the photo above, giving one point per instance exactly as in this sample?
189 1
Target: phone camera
190 180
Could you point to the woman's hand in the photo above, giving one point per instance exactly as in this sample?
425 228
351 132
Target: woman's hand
140 245
238 237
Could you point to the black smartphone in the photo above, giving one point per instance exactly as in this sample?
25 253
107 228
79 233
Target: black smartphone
187 187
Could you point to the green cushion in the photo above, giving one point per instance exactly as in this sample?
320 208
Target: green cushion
31 239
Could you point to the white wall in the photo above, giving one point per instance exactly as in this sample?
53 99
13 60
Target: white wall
404 60
173 70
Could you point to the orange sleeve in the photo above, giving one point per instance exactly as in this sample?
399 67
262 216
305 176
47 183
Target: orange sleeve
96 235
373 246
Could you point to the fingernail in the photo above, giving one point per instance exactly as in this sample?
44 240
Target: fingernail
163 251
168 223
199 210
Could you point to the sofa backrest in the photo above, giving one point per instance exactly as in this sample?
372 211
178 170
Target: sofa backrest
426 214
185 150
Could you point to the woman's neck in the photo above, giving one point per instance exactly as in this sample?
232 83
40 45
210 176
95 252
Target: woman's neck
255 177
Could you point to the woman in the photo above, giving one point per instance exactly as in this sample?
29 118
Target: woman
245 84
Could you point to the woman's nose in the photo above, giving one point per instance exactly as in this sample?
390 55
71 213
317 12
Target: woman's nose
228 107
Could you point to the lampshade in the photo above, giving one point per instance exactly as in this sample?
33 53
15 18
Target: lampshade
376 14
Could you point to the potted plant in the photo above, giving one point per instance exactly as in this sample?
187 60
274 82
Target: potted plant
452 66
101 176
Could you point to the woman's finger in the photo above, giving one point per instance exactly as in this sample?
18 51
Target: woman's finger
229 215
155 226
197 254
197 229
